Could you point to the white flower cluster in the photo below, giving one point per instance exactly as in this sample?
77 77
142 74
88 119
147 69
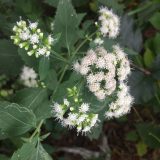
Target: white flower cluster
28 77
99 68
123 103
69 116
110 23
106 74
31 39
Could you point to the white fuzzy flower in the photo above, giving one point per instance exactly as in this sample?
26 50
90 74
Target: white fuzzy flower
76 66
84 70
34 39
101 95
28 77
94 120
110 23
33 25
84 107
24 35
94 87
81 118
42 51
91 78
98 41
66 102
100 63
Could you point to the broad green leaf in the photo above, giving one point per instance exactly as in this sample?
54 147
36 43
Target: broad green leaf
10 62
30 61
141 149
146 131
44 65
15 120
35 99
51 80
155 20
26 152
134 41
141 87
148 57
66 23
31 152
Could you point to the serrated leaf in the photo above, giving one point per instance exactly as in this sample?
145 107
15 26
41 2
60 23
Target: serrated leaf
31 152
35 99
44 65
148 57
66 23
10 62
141 149
15 120
155 20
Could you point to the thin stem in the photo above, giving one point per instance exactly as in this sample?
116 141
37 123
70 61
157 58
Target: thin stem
37 130
138 115
72 57
147 72
154 136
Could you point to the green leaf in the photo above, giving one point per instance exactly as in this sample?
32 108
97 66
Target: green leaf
15 120
134 41
31 152
35 99
114 4
141 87
51 80
66 23
76 3
148 57
155 20
3 157
132 136
10 62
44 65
141 149
145 130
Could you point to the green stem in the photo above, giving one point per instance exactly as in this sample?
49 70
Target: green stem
38 129
140 9
72 57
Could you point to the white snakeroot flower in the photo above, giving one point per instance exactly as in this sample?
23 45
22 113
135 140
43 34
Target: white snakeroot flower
94 120
50 39
24 35
28 77
101 95
101 63
33 25
94 87
66 102
76 66
34 39
98 41
84 70
42 51
110 23
91 78
81 118
84 107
